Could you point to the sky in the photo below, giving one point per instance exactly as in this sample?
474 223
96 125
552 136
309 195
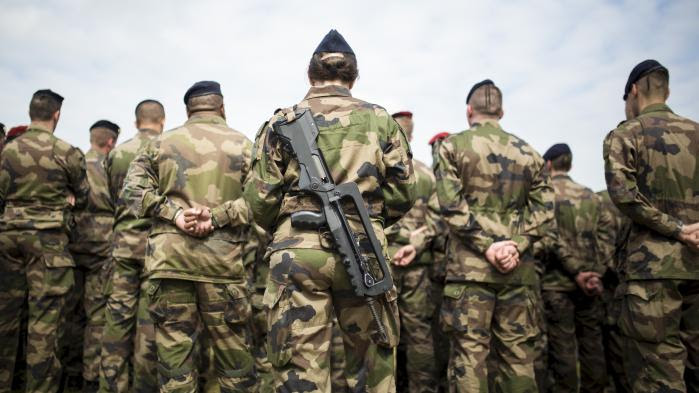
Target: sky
562 65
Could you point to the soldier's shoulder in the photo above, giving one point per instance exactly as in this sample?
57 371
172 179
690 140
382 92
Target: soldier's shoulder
62 147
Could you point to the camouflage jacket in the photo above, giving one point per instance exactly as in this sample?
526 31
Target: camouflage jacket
130 232
653 178
201 164
361 143
621 225
414 227
38 172
491 186
584 228
93 224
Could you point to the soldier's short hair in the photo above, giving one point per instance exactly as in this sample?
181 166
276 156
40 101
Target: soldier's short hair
150 111
487 100
44 104
562 162
209 102
333 66
101 136
654 85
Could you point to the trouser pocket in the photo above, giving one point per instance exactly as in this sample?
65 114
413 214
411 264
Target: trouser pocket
642 316
276 299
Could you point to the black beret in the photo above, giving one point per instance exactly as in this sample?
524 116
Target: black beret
556 150
49 93
106 124
642 69
476 86
333 42
202 88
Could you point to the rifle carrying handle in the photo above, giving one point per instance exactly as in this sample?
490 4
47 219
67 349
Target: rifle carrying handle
307 220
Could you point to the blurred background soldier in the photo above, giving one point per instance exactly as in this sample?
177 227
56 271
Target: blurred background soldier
2 136
41 179
409 244
190 181
91 252
653 178
572 288
126 314
497 200
308 283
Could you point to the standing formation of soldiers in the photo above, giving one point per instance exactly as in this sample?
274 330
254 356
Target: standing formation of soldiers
171 262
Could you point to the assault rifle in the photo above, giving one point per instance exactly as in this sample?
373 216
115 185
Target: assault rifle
368 279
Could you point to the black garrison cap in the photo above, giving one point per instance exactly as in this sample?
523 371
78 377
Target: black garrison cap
49 93
333 42
642 69
556 150
106 124
476 86
203 88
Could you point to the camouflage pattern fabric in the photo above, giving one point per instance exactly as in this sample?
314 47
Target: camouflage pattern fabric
491 186
203 163
126 306
413 284
361 143
338 364
574 320
651 177
37 174
468 317
305 288
91 252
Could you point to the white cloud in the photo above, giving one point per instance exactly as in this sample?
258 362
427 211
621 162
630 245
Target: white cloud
562 65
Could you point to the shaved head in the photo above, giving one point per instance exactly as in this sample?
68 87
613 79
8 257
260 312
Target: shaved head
487 100
149 111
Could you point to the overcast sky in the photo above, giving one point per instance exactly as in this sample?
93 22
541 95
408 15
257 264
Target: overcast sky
561 65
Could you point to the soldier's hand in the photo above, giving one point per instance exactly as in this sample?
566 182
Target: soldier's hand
405 255
690 236
589 282
503 255
196 221
71 199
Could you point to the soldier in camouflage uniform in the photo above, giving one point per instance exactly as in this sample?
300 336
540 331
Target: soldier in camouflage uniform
613 343
41 176
2 137
651 173
497 201
190 181
409 244
127 313
91 252
571 287
308 283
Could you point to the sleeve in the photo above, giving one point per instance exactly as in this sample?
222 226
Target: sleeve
620 163
76 170
263 189
4 185
454 208
549 247
422 237
399 186
141 187
113 188
539 211
606 241
235 212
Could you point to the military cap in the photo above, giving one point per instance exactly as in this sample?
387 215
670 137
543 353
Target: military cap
16 131
642 69
203 88
556 150
49 93
333 42
438 137
402 114
476 86
106 124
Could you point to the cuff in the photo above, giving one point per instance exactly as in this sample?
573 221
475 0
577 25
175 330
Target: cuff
168 211
522 243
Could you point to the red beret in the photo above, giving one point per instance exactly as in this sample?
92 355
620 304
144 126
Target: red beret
438 137
402 114
16 131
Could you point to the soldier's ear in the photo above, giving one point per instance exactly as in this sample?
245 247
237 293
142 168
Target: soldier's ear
56 116
223 111
634 90
501 114
469 110
667 93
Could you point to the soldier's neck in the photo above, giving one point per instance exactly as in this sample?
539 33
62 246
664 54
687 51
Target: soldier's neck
556 173
331 83
103 150
46 125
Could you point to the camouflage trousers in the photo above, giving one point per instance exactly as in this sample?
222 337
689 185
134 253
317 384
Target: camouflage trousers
541 346
416 309
128 332
181 311
85 314
574 327
259 340
613 339
35 265
485 319
660 321
306 288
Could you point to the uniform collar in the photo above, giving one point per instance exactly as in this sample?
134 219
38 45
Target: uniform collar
488 122
560 176
148 131
327 91
38 128
206 119
656 108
